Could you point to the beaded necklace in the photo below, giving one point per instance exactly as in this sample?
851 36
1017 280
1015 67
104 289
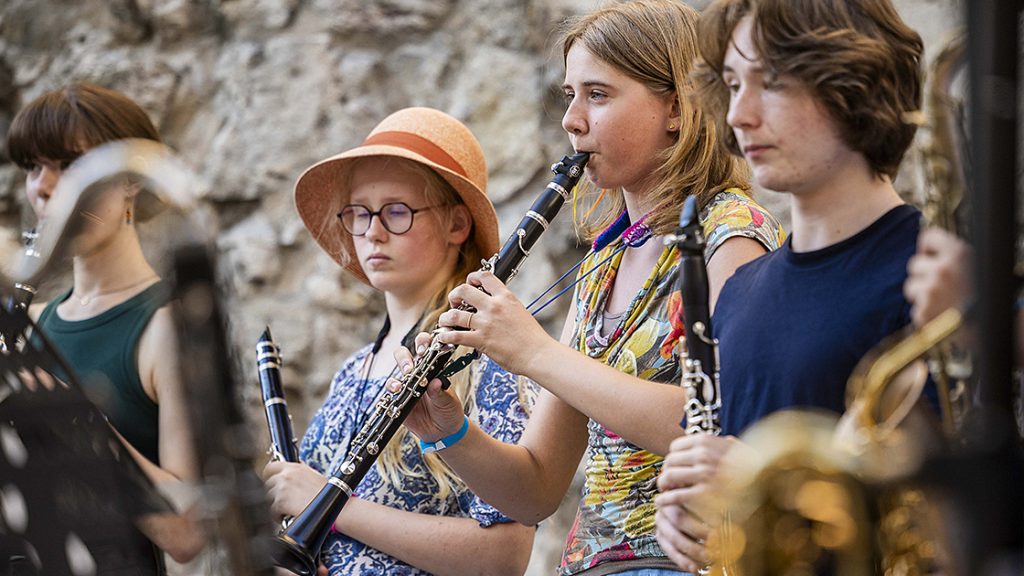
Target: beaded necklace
632 235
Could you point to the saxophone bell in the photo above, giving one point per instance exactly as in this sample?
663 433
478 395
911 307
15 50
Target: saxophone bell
793 503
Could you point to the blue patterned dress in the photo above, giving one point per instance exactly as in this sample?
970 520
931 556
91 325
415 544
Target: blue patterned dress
497 402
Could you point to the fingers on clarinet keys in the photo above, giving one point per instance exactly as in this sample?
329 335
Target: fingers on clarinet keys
455 320
423 340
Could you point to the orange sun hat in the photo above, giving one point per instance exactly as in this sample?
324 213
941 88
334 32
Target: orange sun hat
423 135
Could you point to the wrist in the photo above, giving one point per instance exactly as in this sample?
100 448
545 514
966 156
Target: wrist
548 358
535 353
336 525
447 441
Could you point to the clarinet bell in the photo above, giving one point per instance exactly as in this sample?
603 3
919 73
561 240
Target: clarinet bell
297 548
293 556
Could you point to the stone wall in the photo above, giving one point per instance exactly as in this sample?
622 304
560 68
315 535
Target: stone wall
250 92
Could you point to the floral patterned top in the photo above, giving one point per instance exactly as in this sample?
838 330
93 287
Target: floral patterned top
614 527
497 402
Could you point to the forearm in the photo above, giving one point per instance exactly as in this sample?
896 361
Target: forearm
645 413
179 535
439 544
508 476
157 475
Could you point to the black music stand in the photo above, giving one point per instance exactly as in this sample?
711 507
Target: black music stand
68 488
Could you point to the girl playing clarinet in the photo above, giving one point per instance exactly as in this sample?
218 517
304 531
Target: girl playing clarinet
406 212
611 386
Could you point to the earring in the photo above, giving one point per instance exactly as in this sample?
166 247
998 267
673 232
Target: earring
672 127
128 216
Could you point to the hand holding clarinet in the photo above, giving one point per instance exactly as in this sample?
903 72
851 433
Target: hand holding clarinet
492 315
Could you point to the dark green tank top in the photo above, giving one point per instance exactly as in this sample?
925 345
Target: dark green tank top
103 351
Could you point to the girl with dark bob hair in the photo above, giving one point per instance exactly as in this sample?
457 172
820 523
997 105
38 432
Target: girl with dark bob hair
114 325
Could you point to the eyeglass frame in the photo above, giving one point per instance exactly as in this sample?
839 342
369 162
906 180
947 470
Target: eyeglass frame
412 217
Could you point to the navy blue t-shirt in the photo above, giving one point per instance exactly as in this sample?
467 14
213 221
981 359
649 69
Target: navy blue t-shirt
792 326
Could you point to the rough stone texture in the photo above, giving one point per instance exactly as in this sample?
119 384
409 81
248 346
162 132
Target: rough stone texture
252 91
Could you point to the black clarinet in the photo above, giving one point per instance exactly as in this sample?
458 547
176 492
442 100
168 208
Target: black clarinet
299 546
283 446
700 349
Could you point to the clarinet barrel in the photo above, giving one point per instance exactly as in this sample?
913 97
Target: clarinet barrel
505 265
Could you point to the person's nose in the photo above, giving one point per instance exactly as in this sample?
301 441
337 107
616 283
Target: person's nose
376 232
574 121
41 185
744 109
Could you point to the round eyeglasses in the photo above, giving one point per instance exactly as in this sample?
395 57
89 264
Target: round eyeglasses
395 216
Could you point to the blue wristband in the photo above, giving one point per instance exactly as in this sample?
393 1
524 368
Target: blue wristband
447 441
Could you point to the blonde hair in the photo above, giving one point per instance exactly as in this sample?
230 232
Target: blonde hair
655 43
436 192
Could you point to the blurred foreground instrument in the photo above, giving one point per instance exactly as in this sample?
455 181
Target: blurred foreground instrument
71 492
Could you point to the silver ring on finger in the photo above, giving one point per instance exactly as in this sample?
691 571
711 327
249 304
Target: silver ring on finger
469 324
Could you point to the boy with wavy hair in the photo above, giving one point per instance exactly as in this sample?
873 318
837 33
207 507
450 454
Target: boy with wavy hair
816 95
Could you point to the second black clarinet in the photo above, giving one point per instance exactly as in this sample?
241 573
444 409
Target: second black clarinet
700 349
283 446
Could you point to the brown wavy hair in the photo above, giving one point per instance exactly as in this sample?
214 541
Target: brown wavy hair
655 43
862 62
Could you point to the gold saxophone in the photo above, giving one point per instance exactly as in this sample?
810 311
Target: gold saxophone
944 161
795 505
816 493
